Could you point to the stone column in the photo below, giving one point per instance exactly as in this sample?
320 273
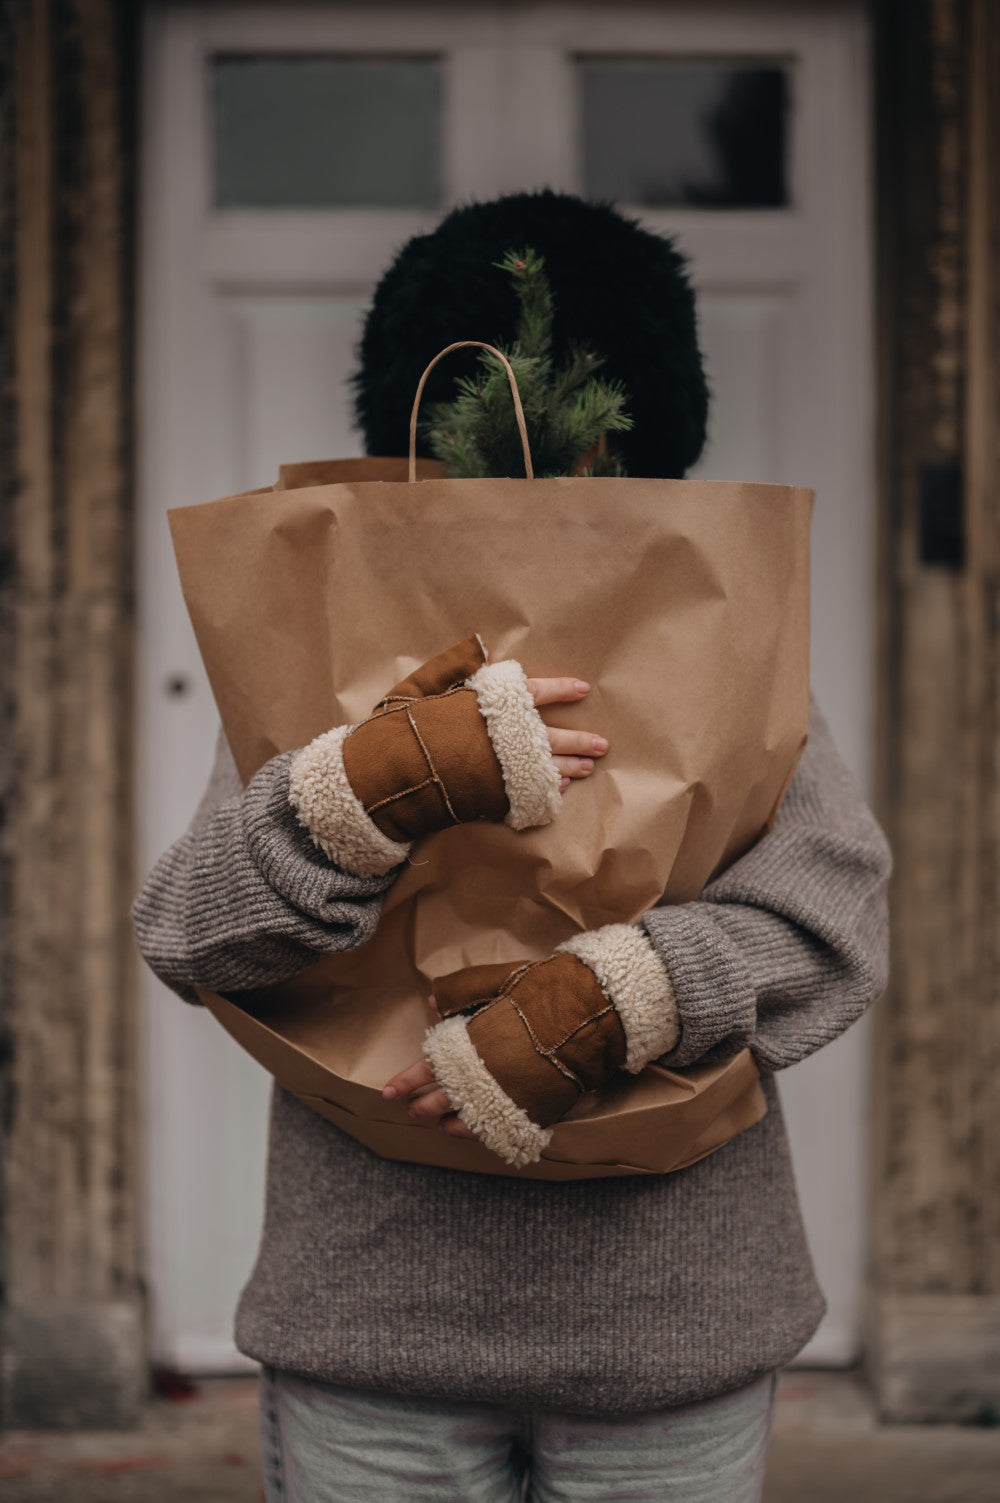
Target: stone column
934 1329
72 1345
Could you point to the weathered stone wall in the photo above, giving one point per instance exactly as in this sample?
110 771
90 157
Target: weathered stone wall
71 1340
935 1308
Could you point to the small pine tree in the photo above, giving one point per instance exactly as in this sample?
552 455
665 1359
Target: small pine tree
569 410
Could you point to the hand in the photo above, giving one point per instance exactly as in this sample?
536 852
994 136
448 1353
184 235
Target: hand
430 1104
572 751
521 1041
459 739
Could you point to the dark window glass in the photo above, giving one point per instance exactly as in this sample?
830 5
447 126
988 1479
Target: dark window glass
672 133
326 132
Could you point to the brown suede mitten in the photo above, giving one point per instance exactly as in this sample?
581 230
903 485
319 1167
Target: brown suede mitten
458 739
519 1043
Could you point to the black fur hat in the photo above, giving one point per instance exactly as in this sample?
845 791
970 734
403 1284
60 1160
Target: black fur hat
619 290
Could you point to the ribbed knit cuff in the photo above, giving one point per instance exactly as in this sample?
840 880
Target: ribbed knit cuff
634 979
520 739
716 997
287 857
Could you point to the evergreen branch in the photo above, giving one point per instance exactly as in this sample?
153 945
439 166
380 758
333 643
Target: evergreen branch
568 411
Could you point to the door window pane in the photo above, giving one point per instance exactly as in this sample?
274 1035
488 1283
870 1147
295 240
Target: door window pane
326 132
685 132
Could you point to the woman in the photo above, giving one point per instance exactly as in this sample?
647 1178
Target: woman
428 1334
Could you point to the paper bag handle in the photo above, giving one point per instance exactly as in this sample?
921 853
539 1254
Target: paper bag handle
522 428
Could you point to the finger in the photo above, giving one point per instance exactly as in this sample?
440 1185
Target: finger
585 743
434 1104
550 691
455 1127
574 767
563 783
408 1080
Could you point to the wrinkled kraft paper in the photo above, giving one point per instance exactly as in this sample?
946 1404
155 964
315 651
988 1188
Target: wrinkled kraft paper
685 604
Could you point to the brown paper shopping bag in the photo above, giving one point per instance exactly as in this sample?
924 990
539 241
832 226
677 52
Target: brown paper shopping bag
684 604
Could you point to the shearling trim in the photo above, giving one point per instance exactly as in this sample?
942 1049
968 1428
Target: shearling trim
520 740
633 977
328 807
485 1109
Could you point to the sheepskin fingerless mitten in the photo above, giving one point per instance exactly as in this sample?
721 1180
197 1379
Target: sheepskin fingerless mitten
458 739
518 1044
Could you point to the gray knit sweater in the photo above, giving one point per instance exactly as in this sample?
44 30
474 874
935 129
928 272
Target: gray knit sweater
606 1296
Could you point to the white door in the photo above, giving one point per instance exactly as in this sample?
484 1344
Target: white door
289 150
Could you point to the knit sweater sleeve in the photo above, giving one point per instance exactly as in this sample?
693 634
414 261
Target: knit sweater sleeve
245 898
789 945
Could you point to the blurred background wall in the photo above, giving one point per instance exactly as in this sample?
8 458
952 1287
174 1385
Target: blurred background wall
197 200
